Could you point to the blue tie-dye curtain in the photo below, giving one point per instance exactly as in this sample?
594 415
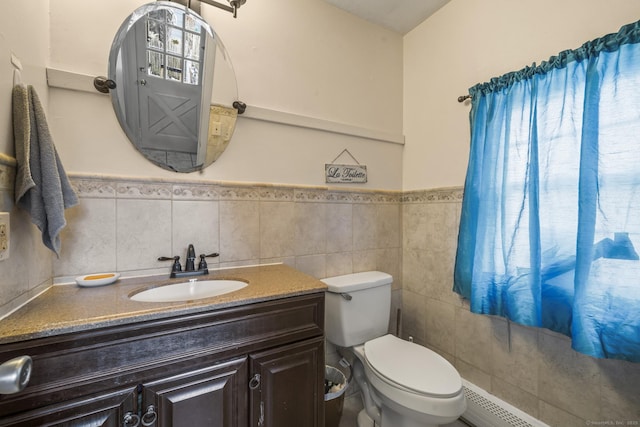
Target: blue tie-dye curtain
551 210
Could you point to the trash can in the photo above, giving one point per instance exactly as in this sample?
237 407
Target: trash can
335 384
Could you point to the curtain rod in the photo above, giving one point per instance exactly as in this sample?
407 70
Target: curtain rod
463 98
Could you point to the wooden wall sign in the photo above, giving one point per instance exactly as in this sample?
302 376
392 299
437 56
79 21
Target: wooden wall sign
345 173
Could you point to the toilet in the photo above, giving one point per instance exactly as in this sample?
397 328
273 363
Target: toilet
403 384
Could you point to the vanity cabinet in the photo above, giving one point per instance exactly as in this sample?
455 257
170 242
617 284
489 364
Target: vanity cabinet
256 365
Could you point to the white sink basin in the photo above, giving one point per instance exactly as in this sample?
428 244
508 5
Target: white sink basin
185 291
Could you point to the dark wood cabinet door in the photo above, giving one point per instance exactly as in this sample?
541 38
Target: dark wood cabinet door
105 410
287 386
213 396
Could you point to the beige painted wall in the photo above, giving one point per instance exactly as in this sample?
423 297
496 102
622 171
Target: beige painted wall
297 56
24 32
468 42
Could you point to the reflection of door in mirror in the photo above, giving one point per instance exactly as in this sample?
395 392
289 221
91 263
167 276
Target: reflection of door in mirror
169 49
170 67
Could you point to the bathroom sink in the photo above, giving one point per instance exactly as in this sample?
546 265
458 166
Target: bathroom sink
185 291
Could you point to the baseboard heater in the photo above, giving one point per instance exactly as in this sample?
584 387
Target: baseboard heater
486 410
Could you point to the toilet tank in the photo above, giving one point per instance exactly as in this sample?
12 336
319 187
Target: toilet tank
357 307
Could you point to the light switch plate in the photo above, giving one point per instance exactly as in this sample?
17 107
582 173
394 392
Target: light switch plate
5 236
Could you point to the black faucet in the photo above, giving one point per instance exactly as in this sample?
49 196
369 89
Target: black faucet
189 268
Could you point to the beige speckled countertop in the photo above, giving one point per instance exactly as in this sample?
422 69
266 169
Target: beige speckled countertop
70 308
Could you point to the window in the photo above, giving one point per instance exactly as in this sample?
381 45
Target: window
551 211
173 46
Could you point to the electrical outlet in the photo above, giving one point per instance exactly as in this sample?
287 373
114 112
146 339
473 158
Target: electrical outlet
5 235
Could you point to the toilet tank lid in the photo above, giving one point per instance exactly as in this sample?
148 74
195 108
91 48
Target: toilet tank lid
357 281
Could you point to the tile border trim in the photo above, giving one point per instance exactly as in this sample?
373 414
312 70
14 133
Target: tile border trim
112 186
434 195
109 186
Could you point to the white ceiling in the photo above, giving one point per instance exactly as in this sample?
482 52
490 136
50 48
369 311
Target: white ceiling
398 15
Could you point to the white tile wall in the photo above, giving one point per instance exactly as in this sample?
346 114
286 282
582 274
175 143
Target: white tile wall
125 225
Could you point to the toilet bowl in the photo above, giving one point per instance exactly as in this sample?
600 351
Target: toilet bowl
413 385
403 384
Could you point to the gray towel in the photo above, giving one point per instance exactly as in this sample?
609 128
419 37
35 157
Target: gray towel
42 187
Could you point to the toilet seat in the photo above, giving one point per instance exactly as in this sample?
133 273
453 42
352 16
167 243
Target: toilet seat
412 367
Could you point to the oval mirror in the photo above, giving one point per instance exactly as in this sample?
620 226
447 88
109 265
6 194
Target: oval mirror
175 86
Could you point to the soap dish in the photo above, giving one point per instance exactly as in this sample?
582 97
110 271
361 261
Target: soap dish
100 279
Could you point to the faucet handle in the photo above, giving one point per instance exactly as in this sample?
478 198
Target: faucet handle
176 262
213 255
203 264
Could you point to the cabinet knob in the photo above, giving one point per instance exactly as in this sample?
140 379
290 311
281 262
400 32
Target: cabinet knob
130 420
254 383
15 374
150 416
